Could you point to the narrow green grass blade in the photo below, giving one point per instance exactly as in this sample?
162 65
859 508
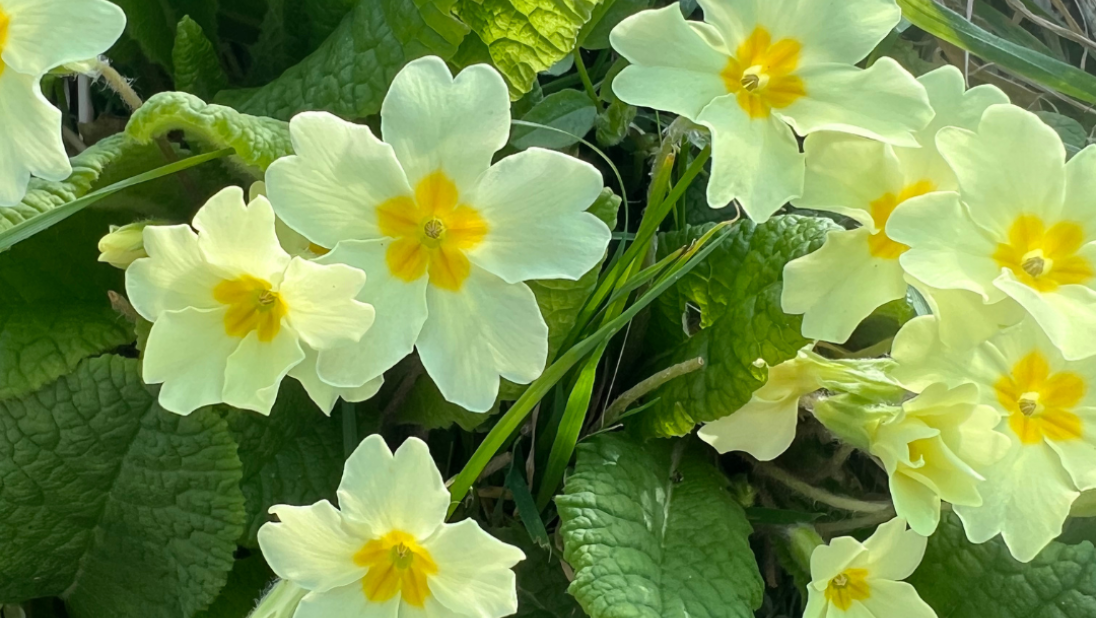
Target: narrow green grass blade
1039 68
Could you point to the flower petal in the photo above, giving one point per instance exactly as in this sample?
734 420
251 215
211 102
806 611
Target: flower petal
957 256
923 360
323 394
755 161
1026 498
256 369
495 329
474 571
734 20
400 313
843 31
31 143
764 429
828 561
313 546
673 68
437 123
390 492
965 320
321 303
915 502
174 276
239 238
1068 315
1014 164
188 352
882 102
893 551
44 34
346 602
845 174
534 204
839 285
891 598
330 190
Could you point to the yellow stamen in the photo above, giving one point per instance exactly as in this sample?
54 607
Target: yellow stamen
851 585
397 565
1040 403
761 73
433 230
252 306
1044 258
879 244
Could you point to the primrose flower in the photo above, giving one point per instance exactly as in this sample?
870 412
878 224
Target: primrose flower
933 450
861 580
757 73
35 37
1021 226
1047 411
857 271
387 551
765 426
446 237
233 313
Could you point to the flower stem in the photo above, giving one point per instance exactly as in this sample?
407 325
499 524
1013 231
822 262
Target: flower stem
120 85
585 77
626 399
843 503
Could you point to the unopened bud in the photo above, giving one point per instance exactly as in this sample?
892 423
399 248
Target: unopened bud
123 245
280 601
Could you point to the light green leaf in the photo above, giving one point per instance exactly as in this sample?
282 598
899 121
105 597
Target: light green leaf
294 456
123 509
651 532
41 343
568 110
526 37
962 580
350 72
258 141
737 294
197 68
1072 133
152 23
952 27
541 580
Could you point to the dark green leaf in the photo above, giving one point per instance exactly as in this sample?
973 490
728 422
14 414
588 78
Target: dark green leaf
541 580
152 23
197 67
568 110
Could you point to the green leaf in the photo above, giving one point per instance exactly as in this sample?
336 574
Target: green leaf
651 532
1073 135
197 68
152 23
426 407
526 37
258 141
107 500
568 110
294 456
952 27
614 122
737 293
292 29
541 580
43 342
962 580
249 578
350 72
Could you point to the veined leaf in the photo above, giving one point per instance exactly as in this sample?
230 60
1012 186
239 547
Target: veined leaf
152 23
197 68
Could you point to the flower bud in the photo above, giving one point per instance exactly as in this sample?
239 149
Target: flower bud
280 601
123 245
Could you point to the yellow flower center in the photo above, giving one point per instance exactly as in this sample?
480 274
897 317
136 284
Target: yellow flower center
397 565
5 21
1044 258
432 231
761 74
849 586
879 244
252 306
1040 403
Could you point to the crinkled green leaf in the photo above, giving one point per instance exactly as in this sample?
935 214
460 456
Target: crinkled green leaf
541 580
258 141
737 294
291 30
613 124
350 72
651 532
152 23
568 110
294 456
43 342
561 300
962 580
197 68
123 509
526 37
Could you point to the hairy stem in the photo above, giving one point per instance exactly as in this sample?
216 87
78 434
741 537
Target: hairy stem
630 396
820 495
